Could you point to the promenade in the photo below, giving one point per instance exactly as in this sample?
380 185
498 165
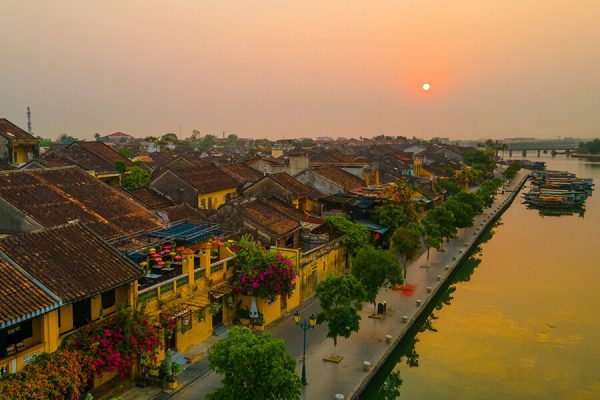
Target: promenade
326 379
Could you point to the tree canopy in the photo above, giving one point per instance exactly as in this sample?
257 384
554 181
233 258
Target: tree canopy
407 241
394 216
169 137
375 269
444 220
463 213
253 367
355 235
66 139
137 178
592 147
341 299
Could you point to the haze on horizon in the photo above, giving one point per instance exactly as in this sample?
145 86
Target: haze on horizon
302 69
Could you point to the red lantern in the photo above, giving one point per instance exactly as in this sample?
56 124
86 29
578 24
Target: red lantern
167 251
161 263
179 249
177 258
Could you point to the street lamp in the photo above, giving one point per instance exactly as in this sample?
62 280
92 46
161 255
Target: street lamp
305 325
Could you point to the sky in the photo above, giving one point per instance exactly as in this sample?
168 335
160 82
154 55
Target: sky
282 69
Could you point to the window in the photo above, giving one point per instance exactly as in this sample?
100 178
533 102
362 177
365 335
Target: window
11 339
203 204
59 319
108 299
210 203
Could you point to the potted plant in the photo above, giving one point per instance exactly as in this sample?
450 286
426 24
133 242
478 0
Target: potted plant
153 370
169 371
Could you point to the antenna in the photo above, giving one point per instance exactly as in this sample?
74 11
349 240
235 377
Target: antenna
29 120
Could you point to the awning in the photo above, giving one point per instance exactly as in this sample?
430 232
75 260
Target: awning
187 232
373 227
220 290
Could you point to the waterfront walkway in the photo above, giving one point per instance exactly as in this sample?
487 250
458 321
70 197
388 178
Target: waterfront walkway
326 379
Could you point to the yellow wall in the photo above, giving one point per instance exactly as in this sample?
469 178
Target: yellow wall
418 169
21 153
218 198
319 264
44 339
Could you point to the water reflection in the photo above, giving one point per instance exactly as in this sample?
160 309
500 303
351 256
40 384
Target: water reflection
525 326
386 385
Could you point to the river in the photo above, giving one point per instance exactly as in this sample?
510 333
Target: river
520 318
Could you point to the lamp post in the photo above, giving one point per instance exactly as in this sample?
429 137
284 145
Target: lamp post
305 325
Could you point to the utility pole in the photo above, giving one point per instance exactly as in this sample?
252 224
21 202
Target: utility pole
29 120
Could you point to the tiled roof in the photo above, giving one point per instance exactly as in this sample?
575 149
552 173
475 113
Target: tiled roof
71 261
11 131
91 156
242 173
291 183
275 221
181 212
56 196
150 198
5 165
293 212
340 176
206 178
19 296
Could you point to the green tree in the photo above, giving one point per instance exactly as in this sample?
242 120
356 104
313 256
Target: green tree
463 213
233 141
341 299
445 221
126 153
207 142
169 137
450 187
152 139
253 367
137 178
355 235
431 235
394 216
120 166
375 269
66 139
471 199
407 242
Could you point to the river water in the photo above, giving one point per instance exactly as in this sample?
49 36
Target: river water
519 320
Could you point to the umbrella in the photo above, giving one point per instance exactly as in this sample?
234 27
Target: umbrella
253 310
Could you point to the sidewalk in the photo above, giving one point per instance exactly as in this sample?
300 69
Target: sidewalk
326 379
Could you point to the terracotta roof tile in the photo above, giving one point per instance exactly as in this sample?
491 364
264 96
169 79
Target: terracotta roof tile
12 131
263 213
150 198
181 212
19 296
242 173
206 178
291 183
340 176
71 261
91 156
56 196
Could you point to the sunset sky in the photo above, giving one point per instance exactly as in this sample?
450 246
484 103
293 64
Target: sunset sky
303 68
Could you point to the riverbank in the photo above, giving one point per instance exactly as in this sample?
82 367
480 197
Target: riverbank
444 265
326 379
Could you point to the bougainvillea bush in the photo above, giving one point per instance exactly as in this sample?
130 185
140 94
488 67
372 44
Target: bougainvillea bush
117 342
59 375
264 273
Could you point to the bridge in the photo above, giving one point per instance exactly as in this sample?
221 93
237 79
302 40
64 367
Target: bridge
549 146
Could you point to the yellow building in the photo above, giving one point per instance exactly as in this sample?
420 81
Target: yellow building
54 282
203 186
317 264
17 147
419 170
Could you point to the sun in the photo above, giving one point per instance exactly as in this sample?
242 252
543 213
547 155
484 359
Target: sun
426 86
